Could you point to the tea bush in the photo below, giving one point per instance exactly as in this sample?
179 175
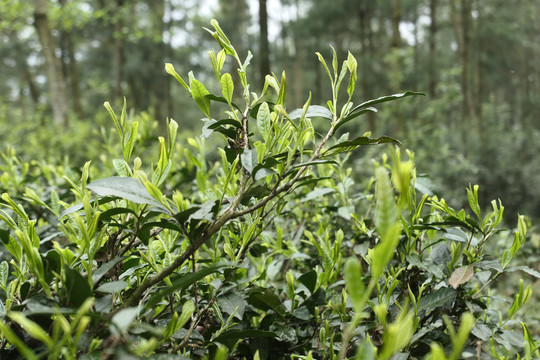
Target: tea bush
262 247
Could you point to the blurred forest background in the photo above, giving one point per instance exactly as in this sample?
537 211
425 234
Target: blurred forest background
477 61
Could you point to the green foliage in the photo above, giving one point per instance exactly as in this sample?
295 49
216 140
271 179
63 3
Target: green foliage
262 246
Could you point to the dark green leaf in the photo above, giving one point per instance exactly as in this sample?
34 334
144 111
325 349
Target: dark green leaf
221 100
315 162
363 140
180 282
183 216
233 303
438 299
231 337
309 280
107 214
354 116
104 269
77 287
265 299
144 231
384 99
205 212
257 192
212 125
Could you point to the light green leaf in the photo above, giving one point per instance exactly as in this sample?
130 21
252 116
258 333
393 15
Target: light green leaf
264 121
4 274
112 287
187 310
384 251
351 65
32 328
355 285
472 196
249 159
13 339
199 93
169 68
312 111
321 59
121 167
385 209
227 87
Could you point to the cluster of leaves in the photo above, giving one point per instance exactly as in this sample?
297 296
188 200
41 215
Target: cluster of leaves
265 249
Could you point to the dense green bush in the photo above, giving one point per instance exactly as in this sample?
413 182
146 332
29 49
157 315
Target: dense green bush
265 247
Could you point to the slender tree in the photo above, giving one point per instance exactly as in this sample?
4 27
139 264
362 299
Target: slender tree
433 48
69 66
57 92
264 52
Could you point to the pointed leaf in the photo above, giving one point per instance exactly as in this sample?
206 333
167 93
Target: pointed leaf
309 280
199 93
312 111
124 187
354 283
385 99
227 87
264 121
364 140
180 282
437 299
249 159
353 116
169 68
4 274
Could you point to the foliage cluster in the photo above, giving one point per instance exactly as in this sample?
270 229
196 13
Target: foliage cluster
265 248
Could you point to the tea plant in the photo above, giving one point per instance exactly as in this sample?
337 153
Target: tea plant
264 249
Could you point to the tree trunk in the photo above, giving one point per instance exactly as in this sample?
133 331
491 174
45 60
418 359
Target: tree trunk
433 48
57 92
118 51
477 72
264 52
69 67
366 35
396 19
159 81
461 24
